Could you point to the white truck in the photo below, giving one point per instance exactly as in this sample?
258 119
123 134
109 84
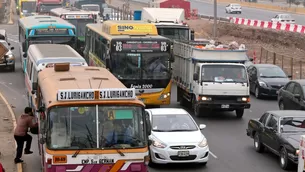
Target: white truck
170 22
211 78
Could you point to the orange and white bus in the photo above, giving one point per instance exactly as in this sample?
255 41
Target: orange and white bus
89 121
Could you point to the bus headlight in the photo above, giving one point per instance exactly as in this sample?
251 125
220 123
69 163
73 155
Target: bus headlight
203 98
165 95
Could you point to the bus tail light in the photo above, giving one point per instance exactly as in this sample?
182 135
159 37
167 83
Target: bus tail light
146 160
49 162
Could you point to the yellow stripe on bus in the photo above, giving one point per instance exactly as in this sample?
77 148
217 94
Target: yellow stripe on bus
117 166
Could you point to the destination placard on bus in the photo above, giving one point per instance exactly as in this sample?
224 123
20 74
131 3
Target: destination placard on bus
131 29
138 46
82 16
51 31
92 94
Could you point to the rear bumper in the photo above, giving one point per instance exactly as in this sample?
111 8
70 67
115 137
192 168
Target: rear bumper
272 92
224 106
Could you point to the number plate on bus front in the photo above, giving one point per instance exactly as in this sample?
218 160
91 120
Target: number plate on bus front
183 153
225 106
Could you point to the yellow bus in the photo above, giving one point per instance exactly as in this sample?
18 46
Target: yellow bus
135 53
26 8
89 120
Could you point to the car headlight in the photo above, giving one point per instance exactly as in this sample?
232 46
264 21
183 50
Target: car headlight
158 144
206 98
262 84
297 152
164 96
203 143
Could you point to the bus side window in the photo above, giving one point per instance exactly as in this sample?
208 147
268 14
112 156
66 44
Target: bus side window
104 49
93 43
29 68
97 46
34 78
88 39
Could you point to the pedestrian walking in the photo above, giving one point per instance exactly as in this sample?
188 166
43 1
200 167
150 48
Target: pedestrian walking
24 122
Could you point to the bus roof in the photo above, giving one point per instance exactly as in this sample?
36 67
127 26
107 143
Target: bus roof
45 53
125 27
65 11
78 78
43 21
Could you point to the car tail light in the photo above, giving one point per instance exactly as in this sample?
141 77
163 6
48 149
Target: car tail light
49 162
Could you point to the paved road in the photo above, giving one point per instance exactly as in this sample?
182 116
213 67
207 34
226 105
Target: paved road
206 7
232 149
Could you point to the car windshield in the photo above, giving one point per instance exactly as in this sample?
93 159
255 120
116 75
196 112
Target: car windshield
293 124
174 33
92 127
28 7
173 122
224 73
271 72
141 65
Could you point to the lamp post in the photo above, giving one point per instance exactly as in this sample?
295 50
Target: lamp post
215 20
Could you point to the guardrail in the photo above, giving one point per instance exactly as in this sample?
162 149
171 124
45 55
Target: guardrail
268 24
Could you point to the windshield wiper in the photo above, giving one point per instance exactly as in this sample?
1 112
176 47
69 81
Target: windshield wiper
119 151
181 130
76 153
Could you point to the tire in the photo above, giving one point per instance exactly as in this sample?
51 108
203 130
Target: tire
239 113
284 161
257 93
259 147
281 105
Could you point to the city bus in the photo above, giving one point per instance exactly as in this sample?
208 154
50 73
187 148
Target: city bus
135 53
79 18
89 121
41 56
44 30
26 8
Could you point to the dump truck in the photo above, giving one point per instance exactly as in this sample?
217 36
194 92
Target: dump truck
45 6
211 77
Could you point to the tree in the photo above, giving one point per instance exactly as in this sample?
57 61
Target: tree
297 3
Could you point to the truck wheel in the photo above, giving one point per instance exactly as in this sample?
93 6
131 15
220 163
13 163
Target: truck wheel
239 113
284 161
259 147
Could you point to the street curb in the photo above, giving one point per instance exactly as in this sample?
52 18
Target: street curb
19 165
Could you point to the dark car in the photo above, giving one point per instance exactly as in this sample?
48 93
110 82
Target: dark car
280 132
266 79
291 96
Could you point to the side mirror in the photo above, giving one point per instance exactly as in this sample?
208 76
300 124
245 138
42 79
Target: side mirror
192 35
24 55
195 77
297 96
251 59
12 48
202 126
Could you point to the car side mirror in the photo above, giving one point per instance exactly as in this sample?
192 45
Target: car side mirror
12 48
24 55
202 126
195 77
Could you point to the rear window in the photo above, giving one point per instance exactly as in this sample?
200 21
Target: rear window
286 17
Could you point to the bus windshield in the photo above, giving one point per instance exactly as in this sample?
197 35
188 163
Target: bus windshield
96 126
68 40
141 65
81 25
174 33
28 7
49 7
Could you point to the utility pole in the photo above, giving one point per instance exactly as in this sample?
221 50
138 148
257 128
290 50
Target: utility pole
215 20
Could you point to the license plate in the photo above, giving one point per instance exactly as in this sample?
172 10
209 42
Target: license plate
183 153
225 106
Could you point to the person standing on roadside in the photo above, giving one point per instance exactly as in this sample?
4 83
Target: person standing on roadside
24 122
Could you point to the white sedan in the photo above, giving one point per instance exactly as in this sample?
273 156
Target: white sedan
233 8
283 18
176 138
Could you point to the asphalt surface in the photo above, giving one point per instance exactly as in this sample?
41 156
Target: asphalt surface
206 7
232 150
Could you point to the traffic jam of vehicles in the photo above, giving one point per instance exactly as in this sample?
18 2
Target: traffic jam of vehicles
100 87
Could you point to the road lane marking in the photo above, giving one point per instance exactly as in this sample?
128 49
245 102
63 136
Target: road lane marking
213 155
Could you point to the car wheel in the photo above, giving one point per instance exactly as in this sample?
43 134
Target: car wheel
284 161
257 93
239 113
281 105
259 147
